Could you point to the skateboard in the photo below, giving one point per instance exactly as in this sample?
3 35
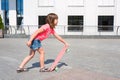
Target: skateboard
58 58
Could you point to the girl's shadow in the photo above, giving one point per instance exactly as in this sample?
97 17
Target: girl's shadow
48 61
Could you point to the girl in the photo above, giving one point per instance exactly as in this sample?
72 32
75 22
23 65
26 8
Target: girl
35 41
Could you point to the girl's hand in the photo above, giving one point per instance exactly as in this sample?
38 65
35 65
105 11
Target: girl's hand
66 44
29 43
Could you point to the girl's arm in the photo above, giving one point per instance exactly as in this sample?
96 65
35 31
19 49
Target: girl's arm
34 35
60 39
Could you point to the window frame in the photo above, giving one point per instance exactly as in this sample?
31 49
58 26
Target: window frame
41 21
75 27
104 25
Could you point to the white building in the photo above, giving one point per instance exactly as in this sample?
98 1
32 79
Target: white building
76 17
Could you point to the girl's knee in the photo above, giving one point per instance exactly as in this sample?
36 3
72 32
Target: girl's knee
32 53
41 51
31 56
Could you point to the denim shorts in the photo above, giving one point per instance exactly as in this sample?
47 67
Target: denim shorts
36 44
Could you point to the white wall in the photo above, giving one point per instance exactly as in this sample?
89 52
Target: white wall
117 12
12 13
90 20
90 9
117 16
61 10
30 11
0 5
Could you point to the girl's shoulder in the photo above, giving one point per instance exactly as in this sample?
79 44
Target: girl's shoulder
45 26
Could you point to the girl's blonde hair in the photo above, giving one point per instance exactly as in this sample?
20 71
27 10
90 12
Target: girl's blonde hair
51 18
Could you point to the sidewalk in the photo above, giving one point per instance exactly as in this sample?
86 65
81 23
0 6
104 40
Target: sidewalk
88 59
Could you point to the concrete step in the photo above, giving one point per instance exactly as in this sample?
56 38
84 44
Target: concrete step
68 36
92 36
15 36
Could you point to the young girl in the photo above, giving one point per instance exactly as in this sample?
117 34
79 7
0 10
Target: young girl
35 41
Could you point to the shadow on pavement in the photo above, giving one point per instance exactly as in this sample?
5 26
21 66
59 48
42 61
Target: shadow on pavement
48 61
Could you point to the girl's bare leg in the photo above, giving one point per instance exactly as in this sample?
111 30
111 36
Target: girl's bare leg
42 57
27 59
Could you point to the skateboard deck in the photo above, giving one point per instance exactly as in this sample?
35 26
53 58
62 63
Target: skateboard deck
58 58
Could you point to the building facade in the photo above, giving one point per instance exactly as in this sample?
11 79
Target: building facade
76 17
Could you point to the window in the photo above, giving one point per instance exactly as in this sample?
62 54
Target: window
19 7
19 10
75 23
105 23
41 20
5 7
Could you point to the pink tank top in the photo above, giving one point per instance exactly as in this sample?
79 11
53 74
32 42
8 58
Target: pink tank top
45 34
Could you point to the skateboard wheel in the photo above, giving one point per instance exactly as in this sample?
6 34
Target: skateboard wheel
67 50
56 69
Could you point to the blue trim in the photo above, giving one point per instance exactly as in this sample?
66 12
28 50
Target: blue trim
5 5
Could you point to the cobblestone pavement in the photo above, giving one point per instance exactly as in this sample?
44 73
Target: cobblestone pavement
88 59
